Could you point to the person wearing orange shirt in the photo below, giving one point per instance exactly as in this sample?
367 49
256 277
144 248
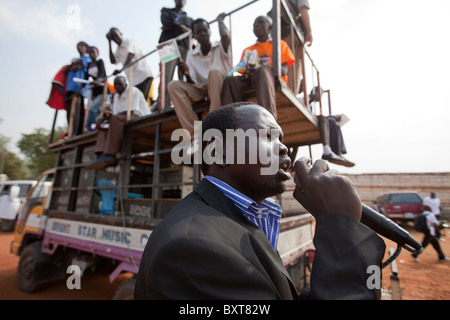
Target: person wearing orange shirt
258 74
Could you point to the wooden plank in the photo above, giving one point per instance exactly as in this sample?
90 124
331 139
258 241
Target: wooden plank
311 137
300 127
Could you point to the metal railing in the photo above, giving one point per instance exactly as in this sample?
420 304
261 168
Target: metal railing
281 7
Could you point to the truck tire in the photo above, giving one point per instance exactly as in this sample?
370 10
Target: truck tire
126 290
26 270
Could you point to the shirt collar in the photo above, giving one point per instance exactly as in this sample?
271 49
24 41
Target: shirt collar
246 205
268 39
124 94
197 49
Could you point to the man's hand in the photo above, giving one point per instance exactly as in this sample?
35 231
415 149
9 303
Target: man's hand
183 68
309 39
323 191
249 72
221 17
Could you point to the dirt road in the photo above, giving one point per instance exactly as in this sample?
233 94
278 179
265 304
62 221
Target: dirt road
93 287
425 280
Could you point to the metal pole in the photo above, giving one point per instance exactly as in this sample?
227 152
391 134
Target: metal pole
162 87
276 35
319 92
50 139
130 87
235 10
155 180
73 105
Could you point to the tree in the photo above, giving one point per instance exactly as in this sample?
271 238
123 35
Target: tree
10 163
35 147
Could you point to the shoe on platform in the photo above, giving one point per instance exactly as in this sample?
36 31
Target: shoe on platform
103 161
347 163
334 158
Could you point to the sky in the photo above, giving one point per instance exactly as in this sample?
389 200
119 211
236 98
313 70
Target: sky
386 63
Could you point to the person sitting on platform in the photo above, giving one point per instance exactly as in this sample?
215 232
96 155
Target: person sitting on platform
109 138
205 69
330 133
260 77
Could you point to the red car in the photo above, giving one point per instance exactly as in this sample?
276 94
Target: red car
399 205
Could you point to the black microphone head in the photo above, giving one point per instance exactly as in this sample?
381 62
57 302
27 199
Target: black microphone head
387 228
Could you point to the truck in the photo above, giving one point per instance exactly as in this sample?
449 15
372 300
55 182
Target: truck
103 218
12 195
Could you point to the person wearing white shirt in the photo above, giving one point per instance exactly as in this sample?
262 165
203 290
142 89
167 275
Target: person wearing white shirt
109 140
138 105
140 75
205 70
433 202
431 235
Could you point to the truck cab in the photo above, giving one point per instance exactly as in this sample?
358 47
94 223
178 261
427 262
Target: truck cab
12 195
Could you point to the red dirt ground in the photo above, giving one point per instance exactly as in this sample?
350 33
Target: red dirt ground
425 280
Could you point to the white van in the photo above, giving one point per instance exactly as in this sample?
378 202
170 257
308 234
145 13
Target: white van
12 194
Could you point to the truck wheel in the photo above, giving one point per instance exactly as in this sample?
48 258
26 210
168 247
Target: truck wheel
7 225
27 268
126 290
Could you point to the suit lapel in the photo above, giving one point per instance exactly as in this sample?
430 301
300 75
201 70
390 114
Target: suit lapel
217 200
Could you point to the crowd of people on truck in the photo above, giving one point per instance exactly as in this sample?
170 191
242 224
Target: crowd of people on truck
203 74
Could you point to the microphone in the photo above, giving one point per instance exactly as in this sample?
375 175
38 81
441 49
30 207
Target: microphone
383 226
387 228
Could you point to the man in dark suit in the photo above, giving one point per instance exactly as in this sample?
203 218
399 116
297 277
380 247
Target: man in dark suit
210 247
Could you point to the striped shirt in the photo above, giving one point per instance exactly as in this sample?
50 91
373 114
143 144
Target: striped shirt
266 216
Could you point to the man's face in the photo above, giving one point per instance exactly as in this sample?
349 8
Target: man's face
261 27
120 85
116 36
202 33
93 54
82 50
180 3
249 178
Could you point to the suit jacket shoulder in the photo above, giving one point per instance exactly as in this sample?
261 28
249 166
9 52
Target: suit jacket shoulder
206 249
